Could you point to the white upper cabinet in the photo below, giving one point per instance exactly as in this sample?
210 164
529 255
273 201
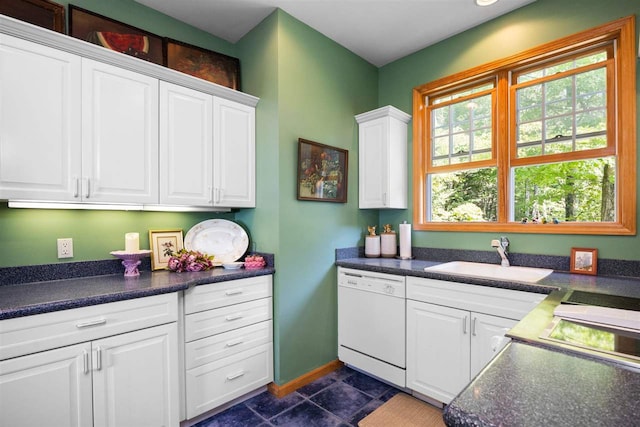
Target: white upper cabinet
233 154
207 150
186 146
382 151
39 121
80 123
119 135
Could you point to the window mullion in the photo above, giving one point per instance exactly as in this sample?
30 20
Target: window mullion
502 114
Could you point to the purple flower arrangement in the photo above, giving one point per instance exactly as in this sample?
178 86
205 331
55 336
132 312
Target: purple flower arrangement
185 260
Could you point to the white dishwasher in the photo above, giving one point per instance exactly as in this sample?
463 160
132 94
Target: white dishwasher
372 323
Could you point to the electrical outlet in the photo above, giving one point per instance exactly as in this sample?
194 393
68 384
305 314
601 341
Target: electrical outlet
65 248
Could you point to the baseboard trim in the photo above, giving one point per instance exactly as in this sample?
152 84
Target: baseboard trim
280 391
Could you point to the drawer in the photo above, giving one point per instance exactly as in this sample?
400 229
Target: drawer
507 303
215 295
227 344
211 322
214 384
31 334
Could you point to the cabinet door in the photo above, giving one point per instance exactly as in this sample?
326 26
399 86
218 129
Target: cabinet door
39 121
52 388
372 151
233 154
438 350
186 146
119 135
135 377
487 339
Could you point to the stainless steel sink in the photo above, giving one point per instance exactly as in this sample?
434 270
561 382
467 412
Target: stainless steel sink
491 271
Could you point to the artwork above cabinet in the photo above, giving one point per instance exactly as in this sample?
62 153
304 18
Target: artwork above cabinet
90 132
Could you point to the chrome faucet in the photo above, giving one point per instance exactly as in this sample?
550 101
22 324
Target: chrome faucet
501 246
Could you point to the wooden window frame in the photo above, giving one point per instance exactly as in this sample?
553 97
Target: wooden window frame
624 128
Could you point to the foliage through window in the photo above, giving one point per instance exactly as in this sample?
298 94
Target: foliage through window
542 142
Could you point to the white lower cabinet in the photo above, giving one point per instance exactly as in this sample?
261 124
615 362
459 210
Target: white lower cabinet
135 378
454 330
48 388
447 347
228 349
127 379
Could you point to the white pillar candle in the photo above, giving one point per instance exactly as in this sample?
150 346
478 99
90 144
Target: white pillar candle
405 241
131 242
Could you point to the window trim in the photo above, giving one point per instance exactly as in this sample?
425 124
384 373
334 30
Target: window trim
622 30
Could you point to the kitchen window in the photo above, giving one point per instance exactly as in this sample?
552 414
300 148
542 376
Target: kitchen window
541 142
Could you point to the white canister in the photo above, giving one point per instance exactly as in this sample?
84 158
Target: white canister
388 245
372 246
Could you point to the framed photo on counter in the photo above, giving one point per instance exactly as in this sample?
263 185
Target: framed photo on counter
584 261
162 244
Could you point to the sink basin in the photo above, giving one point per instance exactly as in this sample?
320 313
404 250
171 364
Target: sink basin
491 271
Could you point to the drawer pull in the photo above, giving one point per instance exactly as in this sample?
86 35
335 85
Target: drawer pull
235 343
231 292
235 375
91 323
234 317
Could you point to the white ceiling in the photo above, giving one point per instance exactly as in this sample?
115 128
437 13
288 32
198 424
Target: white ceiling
380 31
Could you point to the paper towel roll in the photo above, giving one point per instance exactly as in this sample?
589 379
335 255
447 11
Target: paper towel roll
405 241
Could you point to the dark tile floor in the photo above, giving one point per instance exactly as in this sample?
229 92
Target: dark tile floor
341 398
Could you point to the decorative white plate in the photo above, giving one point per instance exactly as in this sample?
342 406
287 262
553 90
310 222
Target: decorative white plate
223 239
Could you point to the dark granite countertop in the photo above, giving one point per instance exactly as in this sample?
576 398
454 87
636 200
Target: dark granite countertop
625 286
532 386
534 382
23 299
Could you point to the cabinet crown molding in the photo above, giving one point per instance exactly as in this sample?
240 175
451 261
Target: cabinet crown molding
84 49
387 111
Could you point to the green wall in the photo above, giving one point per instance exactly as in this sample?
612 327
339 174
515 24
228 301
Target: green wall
309 87
525 28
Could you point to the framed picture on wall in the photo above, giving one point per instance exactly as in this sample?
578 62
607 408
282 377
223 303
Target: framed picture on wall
584 260
114 35
202 63
42 13
322 172
163 243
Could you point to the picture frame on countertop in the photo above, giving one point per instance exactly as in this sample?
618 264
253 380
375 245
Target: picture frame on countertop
114 35
322 172
202 63
584 261
43 13
162 244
